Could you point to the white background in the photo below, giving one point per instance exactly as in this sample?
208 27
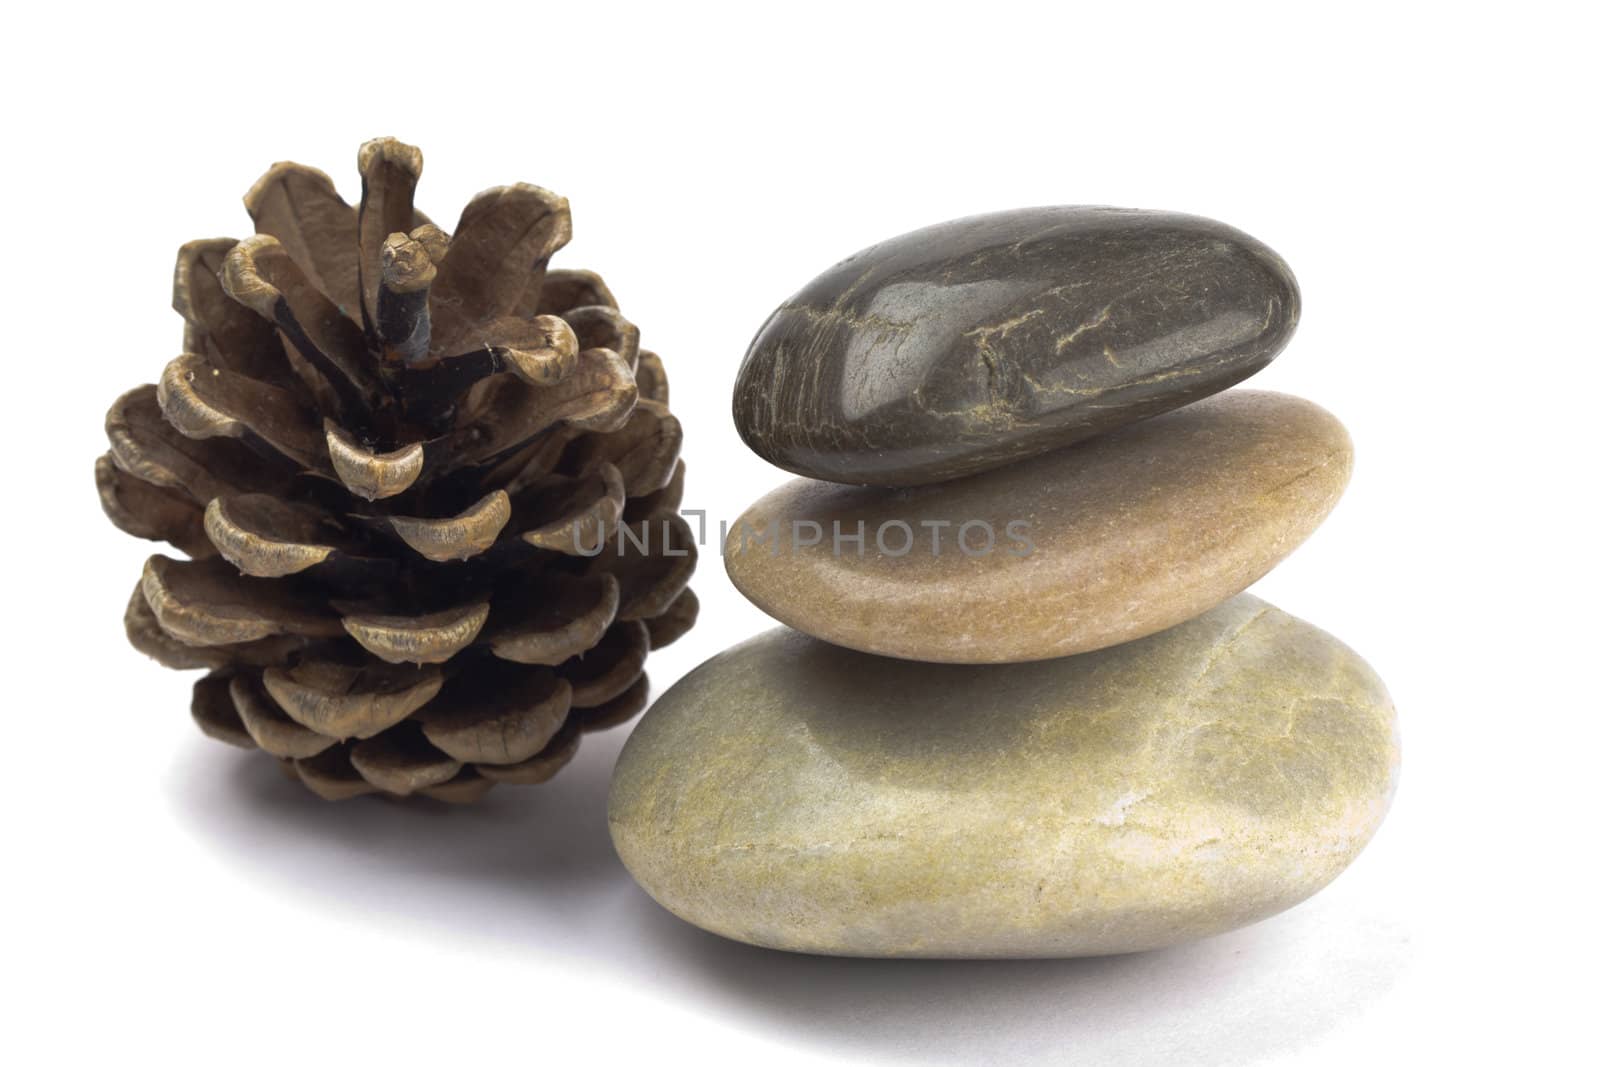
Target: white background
1429 172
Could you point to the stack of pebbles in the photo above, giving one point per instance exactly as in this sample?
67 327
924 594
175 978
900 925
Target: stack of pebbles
1025 708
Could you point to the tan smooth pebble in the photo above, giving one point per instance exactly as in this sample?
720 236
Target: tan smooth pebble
1093 545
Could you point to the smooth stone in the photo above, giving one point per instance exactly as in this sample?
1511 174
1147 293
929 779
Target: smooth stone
975 343
796 795
1130 532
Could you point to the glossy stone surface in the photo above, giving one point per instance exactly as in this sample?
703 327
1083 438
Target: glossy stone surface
974 343
1121 535
800 796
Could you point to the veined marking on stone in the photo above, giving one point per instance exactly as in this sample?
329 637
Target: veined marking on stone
850 290
1219 651
984 334
1203 347
932 326
983 338
836 314
1078 331
1302 476
1117 814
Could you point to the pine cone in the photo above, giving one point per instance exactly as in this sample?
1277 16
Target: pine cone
391 455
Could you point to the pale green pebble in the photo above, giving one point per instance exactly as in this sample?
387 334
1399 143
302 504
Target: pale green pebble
793 794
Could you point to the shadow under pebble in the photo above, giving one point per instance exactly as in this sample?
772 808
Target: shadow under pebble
1233 999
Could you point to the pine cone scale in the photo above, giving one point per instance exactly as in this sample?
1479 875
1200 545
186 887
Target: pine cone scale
267 725
299 207
432 638
258 273
370 475
559 621
265 537
503 716
389 174
345 700
497 253
400 761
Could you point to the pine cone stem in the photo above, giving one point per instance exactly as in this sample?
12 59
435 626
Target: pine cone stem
403 323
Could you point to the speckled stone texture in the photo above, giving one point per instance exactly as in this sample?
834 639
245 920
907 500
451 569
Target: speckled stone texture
1125 534
975 343
800 796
